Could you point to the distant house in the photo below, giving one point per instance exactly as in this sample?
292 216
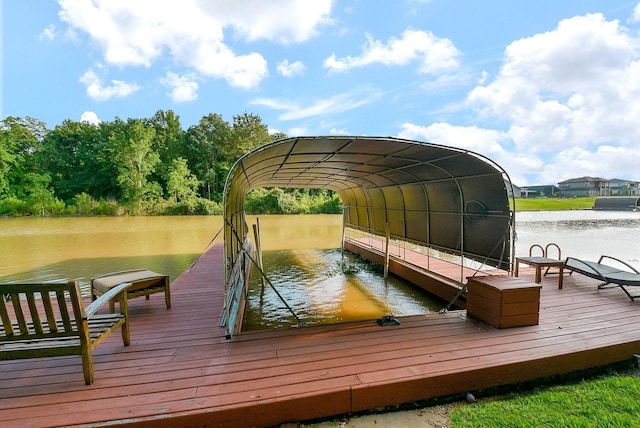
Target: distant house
540 191
596 186
584 186
517 191
623 187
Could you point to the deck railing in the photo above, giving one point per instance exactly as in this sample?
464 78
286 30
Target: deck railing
419 255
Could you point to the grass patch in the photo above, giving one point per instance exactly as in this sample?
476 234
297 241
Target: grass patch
555 204
610 401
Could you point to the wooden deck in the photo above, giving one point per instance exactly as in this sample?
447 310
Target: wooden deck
181 371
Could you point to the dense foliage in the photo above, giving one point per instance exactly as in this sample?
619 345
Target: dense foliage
137 166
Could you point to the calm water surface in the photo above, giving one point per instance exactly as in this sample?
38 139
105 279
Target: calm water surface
303 264
582 233
300 257
79 248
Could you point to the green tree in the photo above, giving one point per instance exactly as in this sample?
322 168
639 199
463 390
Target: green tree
248 133
75 156
20 140
169 142
40 197
131 145
206 158
182 184
214 145
7 160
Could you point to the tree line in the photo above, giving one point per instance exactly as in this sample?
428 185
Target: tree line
148 166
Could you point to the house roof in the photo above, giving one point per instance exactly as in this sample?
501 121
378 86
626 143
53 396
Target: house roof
581 180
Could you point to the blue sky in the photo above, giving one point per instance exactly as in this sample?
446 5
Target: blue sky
548 89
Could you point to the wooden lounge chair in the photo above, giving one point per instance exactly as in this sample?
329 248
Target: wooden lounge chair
605 273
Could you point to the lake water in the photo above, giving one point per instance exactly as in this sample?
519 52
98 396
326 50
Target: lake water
79 248
300 257
583 234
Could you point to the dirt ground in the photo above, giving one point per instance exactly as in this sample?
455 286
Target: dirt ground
426 417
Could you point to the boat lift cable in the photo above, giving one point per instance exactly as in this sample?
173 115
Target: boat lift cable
205 249
464 288
257 266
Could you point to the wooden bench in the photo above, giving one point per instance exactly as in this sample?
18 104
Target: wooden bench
49 320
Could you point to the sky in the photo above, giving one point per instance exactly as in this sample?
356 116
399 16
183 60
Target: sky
547 89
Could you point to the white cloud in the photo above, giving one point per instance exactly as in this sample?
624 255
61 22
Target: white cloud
183 88
287 69
434 54
636 14
578 162
97 91
138 33
298 132
48 33
578 84
336 131
444 81
255 19
90 117
327 106
488 142
246 71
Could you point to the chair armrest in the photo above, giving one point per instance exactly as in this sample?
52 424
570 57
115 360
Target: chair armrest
619 261
100 301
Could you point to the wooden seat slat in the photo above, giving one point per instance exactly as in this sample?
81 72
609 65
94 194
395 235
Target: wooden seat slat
48 309
33 312
97 327
7 325
15 301
64 313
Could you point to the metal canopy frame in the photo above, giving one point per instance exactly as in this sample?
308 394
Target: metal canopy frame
439 197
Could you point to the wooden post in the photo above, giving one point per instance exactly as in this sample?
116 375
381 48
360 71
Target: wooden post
256 235
386 249
344 226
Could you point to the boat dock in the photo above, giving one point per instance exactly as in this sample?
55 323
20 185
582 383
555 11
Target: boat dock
180 370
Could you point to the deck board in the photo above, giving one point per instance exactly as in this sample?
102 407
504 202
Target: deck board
181 371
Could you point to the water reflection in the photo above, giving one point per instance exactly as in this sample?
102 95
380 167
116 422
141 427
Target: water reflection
322 288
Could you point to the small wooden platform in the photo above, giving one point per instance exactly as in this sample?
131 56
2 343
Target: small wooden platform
181 371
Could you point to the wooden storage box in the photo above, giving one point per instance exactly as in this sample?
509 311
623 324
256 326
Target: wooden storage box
503 301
